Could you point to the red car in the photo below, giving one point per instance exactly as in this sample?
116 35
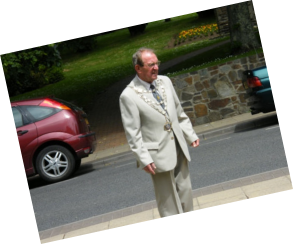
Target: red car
53 136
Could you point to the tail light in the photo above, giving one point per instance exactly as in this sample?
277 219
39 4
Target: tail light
254 82
53 104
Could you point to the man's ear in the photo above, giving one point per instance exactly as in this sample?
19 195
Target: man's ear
137 68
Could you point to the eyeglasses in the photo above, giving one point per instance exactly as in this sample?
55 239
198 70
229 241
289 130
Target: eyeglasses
151 65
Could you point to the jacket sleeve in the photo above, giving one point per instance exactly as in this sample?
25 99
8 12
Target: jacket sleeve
184 121
131 123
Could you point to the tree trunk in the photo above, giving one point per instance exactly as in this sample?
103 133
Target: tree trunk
242 35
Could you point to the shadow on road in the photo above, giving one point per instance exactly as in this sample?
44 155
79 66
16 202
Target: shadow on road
258 123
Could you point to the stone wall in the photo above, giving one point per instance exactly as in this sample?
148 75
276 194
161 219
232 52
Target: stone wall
223 22
216 92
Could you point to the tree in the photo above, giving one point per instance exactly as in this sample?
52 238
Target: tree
210 13
242 34
137 29
77 45
33 68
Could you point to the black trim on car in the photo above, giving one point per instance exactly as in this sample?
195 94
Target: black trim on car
90 134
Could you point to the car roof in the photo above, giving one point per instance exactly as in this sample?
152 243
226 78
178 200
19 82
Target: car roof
32 101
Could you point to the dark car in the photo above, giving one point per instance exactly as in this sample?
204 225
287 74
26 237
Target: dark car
259 89
53 135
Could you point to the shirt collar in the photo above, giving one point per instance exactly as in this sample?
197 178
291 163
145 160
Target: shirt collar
146 84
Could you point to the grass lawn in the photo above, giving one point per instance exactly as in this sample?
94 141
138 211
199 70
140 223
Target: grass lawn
213 57
88 74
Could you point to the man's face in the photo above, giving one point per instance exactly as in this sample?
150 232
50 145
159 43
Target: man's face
149 71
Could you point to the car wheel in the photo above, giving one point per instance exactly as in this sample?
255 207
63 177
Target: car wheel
55 163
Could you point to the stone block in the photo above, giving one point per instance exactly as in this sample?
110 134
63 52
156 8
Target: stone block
203 73
219 103
223 64
180 84
213 68
225 69
186 104
188 80
182 76
243 97
190 109
212 94
206 84
237 82
214 79
243 109
243 60
190 114
197 98
227 112
186 96
198 86
214 116
196 77
194 73
240 89
232 75
234 99
200 110
224 88
214 72
190 89
253 59
236 66
241 76
204 94
202 120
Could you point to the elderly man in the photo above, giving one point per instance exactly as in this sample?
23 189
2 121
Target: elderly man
157 130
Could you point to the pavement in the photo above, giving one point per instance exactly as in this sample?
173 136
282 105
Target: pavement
222 193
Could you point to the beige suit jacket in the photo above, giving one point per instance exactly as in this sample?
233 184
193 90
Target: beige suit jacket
144 125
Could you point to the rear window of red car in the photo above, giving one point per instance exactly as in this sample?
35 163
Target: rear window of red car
39 113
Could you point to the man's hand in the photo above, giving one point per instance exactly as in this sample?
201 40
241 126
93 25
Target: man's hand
195 143
150 168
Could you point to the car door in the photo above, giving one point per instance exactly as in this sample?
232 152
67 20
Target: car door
27 137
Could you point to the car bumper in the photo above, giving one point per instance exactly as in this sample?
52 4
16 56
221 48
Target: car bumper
83 144
263 101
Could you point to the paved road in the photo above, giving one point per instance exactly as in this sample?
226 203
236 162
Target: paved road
97 190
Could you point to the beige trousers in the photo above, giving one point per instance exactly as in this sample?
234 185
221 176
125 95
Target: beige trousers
173 188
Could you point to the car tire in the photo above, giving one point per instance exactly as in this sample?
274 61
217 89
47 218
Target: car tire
77 164
55 163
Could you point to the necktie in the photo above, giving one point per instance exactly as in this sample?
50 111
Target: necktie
157 96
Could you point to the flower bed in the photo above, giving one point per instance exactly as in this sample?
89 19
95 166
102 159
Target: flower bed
196 34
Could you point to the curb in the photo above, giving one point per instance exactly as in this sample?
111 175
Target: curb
236 127
242 126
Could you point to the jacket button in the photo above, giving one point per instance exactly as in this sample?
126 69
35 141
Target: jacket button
172 138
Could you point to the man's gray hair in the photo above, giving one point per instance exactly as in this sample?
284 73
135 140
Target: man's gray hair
136 58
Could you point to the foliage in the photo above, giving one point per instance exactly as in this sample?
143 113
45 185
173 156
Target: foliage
206 13
197 32
77 45
32 68
137 29
87 74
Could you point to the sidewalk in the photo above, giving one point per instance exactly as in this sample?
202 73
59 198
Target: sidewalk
226 192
